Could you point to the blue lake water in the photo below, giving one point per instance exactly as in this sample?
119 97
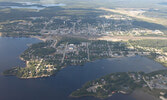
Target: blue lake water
67 80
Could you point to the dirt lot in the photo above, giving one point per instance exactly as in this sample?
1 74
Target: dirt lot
126 38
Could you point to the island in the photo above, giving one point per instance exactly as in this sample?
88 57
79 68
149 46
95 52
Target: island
153 83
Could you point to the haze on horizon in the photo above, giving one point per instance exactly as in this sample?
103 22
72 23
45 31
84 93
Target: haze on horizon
107 3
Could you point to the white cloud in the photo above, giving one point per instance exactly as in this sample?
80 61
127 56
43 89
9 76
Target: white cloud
48 1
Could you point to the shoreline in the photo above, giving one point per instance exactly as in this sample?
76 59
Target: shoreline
0 34
79 65
45 39
39 38
137 94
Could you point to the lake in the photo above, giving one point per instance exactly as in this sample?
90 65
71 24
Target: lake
67 80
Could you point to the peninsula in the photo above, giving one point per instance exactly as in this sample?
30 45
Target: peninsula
153 83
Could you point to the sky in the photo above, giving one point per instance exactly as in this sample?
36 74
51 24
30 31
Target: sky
123 3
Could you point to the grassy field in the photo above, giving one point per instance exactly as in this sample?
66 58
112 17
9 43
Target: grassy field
126 38
138 14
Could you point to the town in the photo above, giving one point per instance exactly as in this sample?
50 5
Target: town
47 58
52 47
94 23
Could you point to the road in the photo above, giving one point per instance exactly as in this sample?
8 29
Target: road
147 83
87 45
64 53
110 52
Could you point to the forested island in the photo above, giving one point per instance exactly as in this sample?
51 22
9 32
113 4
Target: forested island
153 83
